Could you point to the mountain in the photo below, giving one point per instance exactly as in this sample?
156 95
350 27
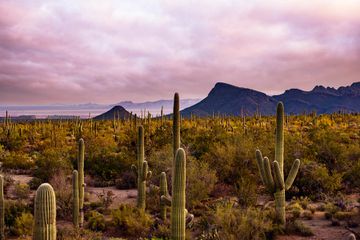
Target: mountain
117 111
231 100
322 100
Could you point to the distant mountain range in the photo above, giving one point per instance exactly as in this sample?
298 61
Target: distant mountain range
231 100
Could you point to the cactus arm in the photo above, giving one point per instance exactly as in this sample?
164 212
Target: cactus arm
189 219
163 193
260 163
166 199
148 175
268 175
279 180
292 174
134 170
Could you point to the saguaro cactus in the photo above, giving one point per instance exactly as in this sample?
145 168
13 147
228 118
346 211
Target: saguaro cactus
176 131
45 213
163 192
2 209
75 195
273 175
178 211
141 170
81 180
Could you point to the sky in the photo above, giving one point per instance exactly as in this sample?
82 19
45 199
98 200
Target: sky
105 51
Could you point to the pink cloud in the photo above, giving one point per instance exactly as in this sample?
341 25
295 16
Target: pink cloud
66 51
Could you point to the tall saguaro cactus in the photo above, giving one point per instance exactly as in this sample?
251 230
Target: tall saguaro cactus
2 209
178 211
75 195
141 170
45 213
163 192
176 131
81 180
272 174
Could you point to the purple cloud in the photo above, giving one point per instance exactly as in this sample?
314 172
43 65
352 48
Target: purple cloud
66 51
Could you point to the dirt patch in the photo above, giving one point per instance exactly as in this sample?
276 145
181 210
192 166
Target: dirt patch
322 229
121 196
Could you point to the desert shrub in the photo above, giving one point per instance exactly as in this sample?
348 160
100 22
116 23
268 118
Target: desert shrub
314 181
126 181
71 233
248 223
299 228
106 198
295 209
132 221
63 190
35 183
50 163
200 181
330 210
16 160
21 191
246 190
14 210
343 215
96 221
308 215
23 225
163 231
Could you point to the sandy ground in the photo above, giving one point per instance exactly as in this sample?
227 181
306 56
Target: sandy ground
120 196
322 229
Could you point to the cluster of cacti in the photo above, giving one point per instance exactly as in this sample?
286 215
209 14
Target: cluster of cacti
2 209
179 214
141 170
81 183
272 174
45 213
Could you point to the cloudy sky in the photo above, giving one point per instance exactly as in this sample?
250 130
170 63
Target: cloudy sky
104 51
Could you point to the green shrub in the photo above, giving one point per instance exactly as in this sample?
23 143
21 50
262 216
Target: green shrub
13 210
96 221
201 180
343 215
23 225
299 228
132 221
248 223
21 191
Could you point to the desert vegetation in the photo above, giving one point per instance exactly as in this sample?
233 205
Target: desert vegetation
169 177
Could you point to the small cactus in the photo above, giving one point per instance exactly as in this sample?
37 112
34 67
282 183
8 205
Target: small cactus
141 170
45 213
2 209
81 180
163 192
272 174
75 195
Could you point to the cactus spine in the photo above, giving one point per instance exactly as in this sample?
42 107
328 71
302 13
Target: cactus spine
45 213
178 211
81 180
2 209
163 192
75 193
272 174
141 170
